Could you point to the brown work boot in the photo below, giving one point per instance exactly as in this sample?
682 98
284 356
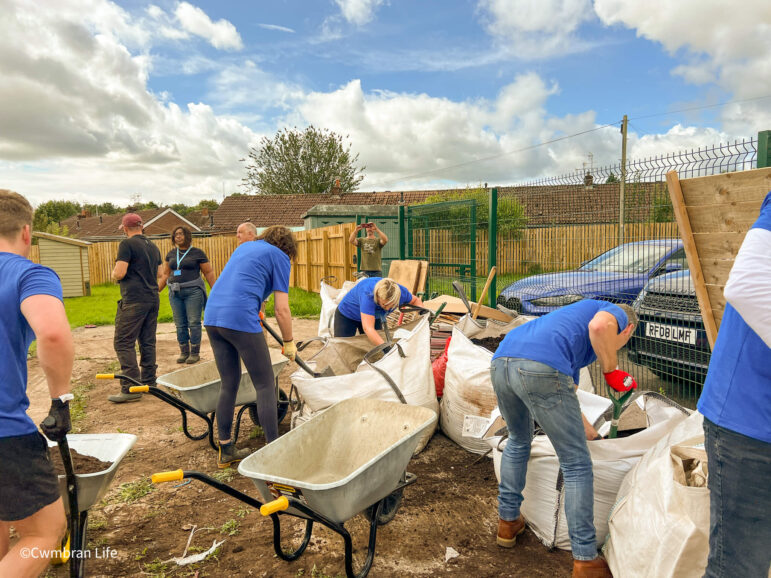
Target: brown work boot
508 531
597 568
184 352
195 354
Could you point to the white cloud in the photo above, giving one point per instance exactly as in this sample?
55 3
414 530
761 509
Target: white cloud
276 27
358 12
730 47
221 34
537 28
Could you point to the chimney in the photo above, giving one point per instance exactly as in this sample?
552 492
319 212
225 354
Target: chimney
336 188
205 211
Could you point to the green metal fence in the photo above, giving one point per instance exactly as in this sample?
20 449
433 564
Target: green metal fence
584 235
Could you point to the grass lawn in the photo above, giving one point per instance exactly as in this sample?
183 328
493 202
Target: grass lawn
100 307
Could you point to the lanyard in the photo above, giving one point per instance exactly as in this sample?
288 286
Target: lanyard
179 259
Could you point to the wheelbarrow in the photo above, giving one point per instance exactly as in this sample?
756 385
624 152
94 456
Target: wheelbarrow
196 389
350 459
81 491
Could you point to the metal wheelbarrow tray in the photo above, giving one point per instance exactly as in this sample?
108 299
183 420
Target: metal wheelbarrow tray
85 490
196 389
351 458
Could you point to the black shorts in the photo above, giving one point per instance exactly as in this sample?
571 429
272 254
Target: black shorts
27 479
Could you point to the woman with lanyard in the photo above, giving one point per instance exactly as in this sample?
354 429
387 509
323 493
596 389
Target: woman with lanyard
365 306
232 320
182 272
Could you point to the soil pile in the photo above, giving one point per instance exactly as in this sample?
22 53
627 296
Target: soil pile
82 464
489 343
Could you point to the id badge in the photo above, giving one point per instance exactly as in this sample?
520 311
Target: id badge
177 272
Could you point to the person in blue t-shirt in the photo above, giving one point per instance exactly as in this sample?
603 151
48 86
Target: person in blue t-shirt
534 372
736 404
232 321
31 308
365 306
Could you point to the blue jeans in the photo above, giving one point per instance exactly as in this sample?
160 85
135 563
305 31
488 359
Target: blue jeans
186 306
739 503
529 390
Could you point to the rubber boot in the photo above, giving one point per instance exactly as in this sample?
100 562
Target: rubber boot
184 352
508 531
124 396
229 455
195 350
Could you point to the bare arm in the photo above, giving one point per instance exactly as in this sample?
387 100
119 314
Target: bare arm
55 349
165 274
382 235
159 276
603 329
120 270
416 301
368 323
283 314
208 273
352 239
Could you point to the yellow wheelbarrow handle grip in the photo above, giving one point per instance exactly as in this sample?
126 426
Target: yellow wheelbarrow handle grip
139 389
173 476
276 505
105 376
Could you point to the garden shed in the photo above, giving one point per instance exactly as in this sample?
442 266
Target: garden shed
69 258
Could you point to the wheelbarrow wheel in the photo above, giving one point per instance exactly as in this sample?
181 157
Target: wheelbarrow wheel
391 505
283 407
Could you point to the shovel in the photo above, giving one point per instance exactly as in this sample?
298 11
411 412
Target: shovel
462 294
327 371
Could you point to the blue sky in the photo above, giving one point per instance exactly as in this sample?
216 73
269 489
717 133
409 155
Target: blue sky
104 100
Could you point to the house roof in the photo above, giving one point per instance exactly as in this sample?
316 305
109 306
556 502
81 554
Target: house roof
107 225
60 239
287 210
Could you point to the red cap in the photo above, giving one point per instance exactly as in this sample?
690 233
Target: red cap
130 221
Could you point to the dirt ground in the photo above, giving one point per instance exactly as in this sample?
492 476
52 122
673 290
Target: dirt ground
452 504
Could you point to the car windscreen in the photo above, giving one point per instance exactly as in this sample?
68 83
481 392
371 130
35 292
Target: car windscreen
632 258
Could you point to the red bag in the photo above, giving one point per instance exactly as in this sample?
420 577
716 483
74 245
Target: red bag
439 365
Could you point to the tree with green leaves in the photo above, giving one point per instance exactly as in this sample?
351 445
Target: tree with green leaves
310 162
51 212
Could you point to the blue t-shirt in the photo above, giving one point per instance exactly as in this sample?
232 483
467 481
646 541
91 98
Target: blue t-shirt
19 279
360 300
737 391
560 339
254 271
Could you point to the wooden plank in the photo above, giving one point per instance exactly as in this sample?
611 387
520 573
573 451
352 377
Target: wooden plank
726 189
718 245
420 286
697 276
405 273
724 219
716 297
716 271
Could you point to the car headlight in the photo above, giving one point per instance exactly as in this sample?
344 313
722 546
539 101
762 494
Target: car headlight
556 300
637 303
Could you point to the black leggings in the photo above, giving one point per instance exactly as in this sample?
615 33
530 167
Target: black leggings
228 346
347 327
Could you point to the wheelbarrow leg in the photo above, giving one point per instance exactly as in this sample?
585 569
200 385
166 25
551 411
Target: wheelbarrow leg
78 543
370 547
291 556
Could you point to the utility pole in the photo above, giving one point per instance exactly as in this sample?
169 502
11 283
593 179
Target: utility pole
623 183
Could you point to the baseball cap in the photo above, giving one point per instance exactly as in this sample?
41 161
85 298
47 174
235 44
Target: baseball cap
130 221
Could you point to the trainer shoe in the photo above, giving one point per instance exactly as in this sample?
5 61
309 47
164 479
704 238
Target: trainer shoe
508 531
124 397
597 568
229 455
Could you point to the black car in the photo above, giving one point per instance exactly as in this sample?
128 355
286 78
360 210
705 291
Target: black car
670 338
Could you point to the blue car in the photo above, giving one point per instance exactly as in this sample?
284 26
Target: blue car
617 275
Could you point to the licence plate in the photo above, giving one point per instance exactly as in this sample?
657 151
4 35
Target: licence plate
671 333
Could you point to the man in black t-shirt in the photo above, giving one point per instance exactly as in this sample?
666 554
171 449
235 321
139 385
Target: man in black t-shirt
138 268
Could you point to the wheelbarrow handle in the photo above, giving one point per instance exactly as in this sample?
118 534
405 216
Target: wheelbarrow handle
278 338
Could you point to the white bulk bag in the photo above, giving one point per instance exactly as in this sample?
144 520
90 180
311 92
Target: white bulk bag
412 375
330 299
660 526
468 389
544 495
